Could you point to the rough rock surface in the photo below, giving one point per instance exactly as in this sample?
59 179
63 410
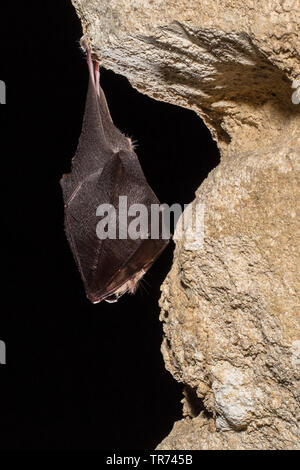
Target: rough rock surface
230 307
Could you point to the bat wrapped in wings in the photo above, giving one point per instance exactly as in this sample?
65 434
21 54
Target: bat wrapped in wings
105 169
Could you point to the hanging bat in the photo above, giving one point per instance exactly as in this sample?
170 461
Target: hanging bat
104 168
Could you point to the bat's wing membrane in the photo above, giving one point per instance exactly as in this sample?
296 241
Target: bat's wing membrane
99 139
106 264
121 259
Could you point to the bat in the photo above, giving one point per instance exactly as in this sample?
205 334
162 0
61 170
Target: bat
105 168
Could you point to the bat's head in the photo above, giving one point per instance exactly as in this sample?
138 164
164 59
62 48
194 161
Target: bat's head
126 278
129 286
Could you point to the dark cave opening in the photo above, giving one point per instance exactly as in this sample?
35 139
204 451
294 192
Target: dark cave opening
82 376
194 403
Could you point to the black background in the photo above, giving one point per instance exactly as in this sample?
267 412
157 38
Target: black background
78 376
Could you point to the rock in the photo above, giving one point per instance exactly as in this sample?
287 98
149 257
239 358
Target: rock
230 305
231 309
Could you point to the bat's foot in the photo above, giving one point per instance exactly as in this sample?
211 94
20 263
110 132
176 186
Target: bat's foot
84 44
92 63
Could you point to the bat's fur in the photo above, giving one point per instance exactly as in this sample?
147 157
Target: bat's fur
129 286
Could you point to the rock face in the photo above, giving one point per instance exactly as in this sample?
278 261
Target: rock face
230 307
231 310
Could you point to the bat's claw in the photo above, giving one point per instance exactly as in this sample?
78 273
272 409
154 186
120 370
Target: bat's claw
84 44
92 63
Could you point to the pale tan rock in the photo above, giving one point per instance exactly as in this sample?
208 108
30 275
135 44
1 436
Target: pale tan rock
230 307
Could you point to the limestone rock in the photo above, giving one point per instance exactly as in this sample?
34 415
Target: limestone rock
230 307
